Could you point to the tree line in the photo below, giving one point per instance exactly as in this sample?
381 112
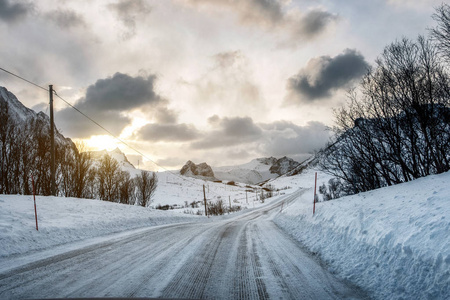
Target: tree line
395 126
25 153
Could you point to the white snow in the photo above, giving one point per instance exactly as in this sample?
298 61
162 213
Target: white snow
253 172
64 220
394 242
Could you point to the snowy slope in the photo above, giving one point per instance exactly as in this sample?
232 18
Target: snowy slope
253 172
65 220
393 242
117 155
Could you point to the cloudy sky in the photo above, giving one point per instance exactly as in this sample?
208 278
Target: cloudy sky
221 81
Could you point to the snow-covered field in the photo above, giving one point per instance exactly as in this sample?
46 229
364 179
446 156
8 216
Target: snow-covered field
64 220
394 242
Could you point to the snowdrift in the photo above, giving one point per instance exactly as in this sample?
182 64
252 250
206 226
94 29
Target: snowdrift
65 220
394 242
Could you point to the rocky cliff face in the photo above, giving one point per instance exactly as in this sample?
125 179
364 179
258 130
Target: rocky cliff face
202 170
20 114
283 165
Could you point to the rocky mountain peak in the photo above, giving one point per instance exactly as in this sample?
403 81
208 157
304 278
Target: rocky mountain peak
202 170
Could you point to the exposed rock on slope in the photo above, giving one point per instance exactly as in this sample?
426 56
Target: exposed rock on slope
283 165
21 114
202 170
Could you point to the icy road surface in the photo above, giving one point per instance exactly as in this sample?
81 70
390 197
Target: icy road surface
243 257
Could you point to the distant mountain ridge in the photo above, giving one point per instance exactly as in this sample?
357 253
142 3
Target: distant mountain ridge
253 172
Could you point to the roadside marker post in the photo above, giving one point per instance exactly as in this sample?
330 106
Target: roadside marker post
204 197
34 197
315 186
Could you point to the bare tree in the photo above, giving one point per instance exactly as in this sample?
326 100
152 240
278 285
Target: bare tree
108 176
397 127
441 33
126 188
146 184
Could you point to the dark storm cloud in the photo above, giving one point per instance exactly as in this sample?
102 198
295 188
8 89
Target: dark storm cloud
228 132
128 12
10 12
66 18
105 101
325 74
168 132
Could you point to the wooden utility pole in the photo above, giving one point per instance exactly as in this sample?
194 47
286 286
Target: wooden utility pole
52 144
204 197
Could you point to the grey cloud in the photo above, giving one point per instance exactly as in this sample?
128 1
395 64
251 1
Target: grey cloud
275 15
168 132
286 138
313 23
229 79
120 92
10 12
228 132
260 11
66 18
165 115
128 11
325 74
74 125
106 101
236 136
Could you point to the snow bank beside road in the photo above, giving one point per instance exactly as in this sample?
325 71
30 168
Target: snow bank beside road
63 220
394 242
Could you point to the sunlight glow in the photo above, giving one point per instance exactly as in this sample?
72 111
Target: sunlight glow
101 142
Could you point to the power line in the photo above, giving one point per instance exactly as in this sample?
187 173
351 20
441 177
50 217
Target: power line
106 130
30 82
96 123
122 141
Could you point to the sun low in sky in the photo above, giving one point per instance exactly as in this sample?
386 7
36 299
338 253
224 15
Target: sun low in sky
220 81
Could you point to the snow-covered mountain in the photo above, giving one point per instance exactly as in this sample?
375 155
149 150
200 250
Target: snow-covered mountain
21 114
257 170
118 155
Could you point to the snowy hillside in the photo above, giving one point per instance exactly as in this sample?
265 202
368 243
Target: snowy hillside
117 155
394 242
256 171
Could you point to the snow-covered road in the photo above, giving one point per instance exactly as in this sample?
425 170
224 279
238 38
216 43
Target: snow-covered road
242 257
